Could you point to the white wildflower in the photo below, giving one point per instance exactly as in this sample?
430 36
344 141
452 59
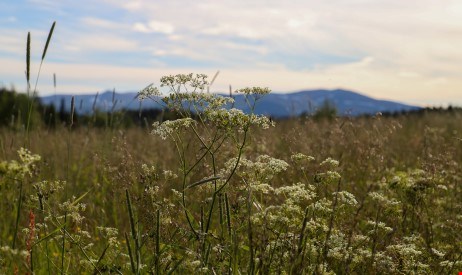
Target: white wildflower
382 199
254 91
300 157
169 175
167 128
378 226
148 92
177 194
345 198
438 253
330 162
297 192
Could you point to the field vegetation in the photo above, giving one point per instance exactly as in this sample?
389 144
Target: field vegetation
229 192
218 191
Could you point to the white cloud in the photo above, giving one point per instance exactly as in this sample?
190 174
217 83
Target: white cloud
154 26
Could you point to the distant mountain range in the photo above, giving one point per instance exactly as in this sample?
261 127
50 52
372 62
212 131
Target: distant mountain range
277 105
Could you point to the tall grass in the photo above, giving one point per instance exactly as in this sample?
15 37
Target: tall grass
230 193
378 159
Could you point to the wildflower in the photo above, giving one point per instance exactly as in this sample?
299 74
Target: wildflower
26 166
297 192
236 119
442 187
167 128
168 80
169 175
438 253
44 189
200 81
361 255
299 157
177 193
378 226
261 187
197 82
330 162
322 206
254 91
382 199
332 176
26 157
345 198
110 234
149 92
73 210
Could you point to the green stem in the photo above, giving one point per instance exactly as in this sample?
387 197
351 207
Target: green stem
18 215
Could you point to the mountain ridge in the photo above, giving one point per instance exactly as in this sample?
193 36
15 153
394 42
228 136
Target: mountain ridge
278 105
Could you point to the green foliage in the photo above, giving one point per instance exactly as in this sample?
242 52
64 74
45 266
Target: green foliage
14 109
326 111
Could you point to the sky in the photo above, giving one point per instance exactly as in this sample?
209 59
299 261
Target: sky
407 51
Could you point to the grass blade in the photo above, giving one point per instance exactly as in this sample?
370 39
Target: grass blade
135 235
202 182
49 235
72 112
130 254
18 215
80 198
63 244
100 259
228 215
157 262
48 40
175 267
28 62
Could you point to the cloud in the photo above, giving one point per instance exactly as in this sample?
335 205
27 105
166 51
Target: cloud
154 26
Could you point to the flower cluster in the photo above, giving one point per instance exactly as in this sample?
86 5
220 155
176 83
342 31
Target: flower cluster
25 167
254 91
167 128
236 119
199 81
149 92
195 101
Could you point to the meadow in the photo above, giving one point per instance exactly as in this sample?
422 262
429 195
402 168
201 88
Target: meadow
234 193
219 191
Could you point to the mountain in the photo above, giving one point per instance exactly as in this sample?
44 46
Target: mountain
346 102
277 105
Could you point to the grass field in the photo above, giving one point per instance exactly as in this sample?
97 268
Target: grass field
229 193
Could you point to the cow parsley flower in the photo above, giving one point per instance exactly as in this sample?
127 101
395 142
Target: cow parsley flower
254 91
300 157
381 226
149 92
167 128
236 119
330 163
346 198
297 192
382 199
